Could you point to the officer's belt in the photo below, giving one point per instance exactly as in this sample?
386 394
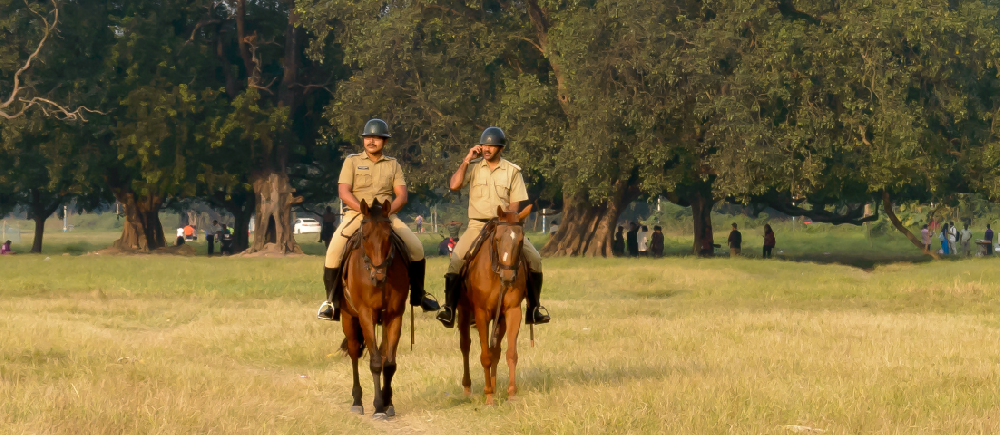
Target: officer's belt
481 220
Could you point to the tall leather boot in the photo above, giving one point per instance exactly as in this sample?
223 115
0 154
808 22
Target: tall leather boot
534 316
417 294
452 288
330 310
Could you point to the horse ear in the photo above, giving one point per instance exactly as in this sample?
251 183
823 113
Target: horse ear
500 211
364 207
386 208
524 213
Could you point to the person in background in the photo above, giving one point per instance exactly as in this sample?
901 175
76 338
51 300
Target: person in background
554 227
925 238
180 234
643 236
768 240
419 223
227 241
618 249
656 242
189 233
632 239
707 242
988 237
5 249
944 239
210 237
965 238
329 226
952 238
735 242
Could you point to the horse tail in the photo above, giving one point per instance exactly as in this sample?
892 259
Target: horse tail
359 337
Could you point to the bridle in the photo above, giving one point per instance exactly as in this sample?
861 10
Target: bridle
494 255
375 269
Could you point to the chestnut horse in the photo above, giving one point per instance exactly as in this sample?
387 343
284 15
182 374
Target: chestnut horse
376 283
494 285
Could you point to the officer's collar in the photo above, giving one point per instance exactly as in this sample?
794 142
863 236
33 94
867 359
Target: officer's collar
486 163
369 158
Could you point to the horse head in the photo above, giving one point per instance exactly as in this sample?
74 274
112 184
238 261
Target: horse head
507 242
376 245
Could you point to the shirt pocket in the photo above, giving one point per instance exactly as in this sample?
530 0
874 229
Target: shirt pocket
362 180
503 192
480 189
385 180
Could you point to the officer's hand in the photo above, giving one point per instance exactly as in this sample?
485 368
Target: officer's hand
476 151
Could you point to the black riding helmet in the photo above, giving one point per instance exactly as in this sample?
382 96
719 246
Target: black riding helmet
376 127
493 136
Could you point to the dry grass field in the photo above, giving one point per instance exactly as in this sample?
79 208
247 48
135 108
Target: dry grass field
156 344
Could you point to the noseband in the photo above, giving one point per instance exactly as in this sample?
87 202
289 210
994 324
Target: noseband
375 269
494 256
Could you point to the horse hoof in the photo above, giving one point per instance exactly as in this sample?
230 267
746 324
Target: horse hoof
489 400
468 391
390 411
360 410
380 416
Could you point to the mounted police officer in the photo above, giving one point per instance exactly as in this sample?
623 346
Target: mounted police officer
374 178
495 182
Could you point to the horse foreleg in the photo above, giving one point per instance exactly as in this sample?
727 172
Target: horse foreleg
391 331
351 328
483 325
375 362
495 352
513 328
465 343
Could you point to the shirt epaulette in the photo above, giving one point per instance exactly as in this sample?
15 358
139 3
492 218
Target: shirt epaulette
352 155
512 164
389 158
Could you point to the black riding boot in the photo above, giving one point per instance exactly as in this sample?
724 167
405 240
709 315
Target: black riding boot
534 315
417 294
330 310
452 288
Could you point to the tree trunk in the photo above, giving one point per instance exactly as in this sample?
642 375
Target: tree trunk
585 229
36 243
887 205
142 230
701 209
39 209
274 197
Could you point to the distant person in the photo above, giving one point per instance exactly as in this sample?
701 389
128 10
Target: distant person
189 233
329 226
735 242
707 242
618 248
768 240
210 237
965 238
5 249
988 237
925 238
632 240
227 241
643 236
944 239
419 223
554 227
656 242
952 238
180 232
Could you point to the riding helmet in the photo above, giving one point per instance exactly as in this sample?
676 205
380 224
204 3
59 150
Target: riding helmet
493 136
376 127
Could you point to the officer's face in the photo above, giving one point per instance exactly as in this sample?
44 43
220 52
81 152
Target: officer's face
491 152
374 144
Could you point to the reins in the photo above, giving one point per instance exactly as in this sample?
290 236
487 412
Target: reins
497 266
373 269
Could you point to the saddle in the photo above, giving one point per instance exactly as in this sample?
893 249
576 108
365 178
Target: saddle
477 244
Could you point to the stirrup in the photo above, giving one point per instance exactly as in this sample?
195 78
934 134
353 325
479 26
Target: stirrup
446 320
327 312
429 303
535 317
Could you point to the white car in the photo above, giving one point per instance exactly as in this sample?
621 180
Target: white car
306 226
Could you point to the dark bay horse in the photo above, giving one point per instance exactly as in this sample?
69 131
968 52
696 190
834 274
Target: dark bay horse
376 284
494 286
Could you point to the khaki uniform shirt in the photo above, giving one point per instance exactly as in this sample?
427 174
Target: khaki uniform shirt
490 189
371 181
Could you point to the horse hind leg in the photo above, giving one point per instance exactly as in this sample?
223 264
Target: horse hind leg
513 328
465 343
